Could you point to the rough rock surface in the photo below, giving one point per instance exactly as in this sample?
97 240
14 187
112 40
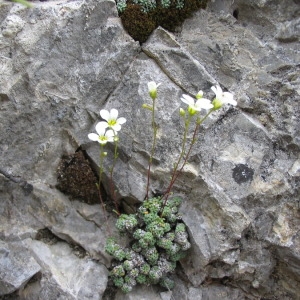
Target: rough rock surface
61 62
16 268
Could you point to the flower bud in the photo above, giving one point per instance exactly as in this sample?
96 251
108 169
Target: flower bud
182 112
152 87
199 94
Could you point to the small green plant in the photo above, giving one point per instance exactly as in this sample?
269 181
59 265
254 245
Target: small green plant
158 236
158 242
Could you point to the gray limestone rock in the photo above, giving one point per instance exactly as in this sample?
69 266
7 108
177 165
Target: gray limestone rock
56 212
177 63
216 292
59 63
63 61
73 277
140 293
17 266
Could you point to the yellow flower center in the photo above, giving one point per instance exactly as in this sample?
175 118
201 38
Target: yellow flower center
112 122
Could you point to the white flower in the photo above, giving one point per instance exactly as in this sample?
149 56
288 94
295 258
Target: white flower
201 103
102 135
112 120
152 87
222 97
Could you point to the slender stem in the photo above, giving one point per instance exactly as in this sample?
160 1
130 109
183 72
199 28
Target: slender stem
99 185
153 147
185 159
112 189
175 172
194 139
187 125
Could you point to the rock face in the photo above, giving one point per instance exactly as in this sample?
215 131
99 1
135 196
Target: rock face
61 62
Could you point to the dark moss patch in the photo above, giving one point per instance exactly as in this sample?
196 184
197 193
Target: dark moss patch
76 178
172 17
140 25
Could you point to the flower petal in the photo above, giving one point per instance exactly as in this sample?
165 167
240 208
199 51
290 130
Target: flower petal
109 133
188 100
152 86
121 120
100 128
232 102
228 98
116 127
213 88
114 114
93 136
204 103
104 114
104 124
102 142
217 90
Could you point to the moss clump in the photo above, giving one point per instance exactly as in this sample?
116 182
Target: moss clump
140 18
76 178
137 23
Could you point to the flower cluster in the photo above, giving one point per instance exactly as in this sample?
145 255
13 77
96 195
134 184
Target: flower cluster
195 105
159 240
107 130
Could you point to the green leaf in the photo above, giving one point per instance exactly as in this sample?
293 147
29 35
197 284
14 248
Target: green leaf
23 2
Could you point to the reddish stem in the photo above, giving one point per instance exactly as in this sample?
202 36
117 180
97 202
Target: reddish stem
177 173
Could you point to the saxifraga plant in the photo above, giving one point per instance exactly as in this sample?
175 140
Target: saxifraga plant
157 243
158 236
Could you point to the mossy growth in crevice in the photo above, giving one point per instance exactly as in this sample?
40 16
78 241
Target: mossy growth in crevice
76 178
139 18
